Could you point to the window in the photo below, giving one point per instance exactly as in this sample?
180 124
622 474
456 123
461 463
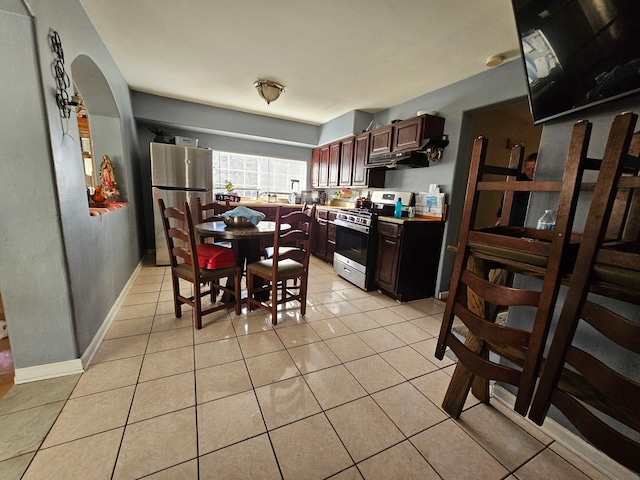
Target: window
252 175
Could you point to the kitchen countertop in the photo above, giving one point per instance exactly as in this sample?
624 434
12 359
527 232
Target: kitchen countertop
402 220
389 219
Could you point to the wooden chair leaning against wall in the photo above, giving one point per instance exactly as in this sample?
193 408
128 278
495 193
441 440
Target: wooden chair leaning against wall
575 379
519 249
186 256
285 264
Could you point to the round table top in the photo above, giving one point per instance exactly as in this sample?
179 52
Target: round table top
220 230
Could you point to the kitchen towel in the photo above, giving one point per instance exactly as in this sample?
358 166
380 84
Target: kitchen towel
253 216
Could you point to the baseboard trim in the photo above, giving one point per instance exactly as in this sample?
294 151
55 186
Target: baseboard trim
49 370
98 338
571 441
78 365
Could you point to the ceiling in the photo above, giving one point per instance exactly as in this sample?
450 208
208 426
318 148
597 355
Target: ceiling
332 56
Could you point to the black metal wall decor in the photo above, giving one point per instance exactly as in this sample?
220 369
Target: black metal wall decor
59 73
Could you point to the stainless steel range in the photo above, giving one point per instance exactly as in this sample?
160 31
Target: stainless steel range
355 251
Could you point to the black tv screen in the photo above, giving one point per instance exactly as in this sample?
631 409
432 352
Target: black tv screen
578 53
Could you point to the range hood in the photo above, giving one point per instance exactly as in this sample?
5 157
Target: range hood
430 152
399 160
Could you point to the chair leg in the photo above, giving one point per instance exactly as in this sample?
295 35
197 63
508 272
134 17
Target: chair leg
197 305
274 302
303 295
237 278
249 277
177 305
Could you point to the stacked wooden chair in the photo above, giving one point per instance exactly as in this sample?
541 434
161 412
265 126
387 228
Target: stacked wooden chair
543 254
597 387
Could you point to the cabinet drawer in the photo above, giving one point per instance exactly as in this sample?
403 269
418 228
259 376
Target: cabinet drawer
389 229
324 214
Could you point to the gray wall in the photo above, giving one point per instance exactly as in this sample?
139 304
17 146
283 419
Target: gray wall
61 270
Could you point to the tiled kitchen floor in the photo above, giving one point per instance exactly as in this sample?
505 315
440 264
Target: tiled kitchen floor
350 391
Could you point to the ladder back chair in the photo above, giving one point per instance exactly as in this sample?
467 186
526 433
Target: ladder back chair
285 264
198 264
211 212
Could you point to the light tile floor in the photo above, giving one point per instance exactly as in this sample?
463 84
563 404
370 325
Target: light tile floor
350 391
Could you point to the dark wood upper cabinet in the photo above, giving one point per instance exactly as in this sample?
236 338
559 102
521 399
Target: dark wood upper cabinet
346 162
381 140
315 167
334 163
360 157
323 166
408 135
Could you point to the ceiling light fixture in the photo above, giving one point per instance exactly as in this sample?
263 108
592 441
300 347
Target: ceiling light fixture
268 90
494 60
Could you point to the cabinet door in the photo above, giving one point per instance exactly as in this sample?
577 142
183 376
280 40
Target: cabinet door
381 140
360 157
320 238
387 262
323 166
331 241
334 163
408 134
433 127
315 167
346 162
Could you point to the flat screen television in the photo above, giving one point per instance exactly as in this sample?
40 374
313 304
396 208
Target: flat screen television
578 53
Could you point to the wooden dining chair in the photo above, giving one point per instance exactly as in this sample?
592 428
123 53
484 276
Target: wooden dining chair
589 372
516 353
284 265
211 212
198 264
268 251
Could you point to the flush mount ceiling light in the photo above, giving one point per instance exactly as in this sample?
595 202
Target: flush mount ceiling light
268 90
494 60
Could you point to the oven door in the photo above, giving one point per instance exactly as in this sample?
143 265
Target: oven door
353 254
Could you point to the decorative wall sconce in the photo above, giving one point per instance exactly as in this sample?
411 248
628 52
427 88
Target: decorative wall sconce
268 90
62 79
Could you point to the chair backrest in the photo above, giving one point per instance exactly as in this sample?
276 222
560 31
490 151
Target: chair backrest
210 212
624 220
300 235
180 235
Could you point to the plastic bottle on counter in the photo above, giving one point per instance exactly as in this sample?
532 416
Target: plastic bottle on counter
547 221
398 211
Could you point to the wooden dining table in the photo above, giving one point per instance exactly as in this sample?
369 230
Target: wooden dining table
245 241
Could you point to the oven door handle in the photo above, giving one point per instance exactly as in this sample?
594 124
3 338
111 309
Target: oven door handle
351 226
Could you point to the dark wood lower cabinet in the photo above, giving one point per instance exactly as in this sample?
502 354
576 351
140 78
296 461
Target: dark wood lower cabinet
324 237
407 258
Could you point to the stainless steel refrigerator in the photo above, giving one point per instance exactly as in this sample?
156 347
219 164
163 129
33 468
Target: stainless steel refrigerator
178 174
